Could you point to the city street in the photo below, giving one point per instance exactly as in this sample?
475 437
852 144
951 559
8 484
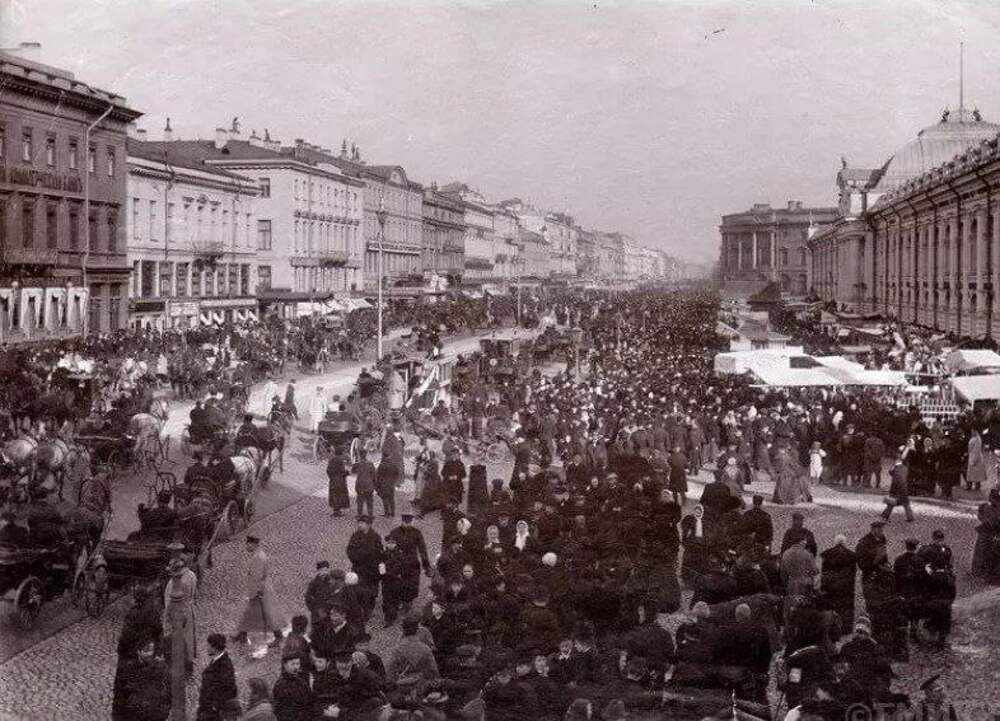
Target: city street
64 670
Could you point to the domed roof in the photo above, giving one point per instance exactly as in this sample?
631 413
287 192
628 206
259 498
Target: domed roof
936 145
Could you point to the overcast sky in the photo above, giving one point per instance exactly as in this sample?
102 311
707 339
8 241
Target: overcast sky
651 118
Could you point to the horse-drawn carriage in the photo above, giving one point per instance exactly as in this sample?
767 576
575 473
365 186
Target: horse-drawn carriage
31 576
336 432
505 356
208 510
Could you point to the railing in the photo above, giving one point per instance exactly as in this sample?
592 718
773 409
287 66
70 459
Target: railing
333 258
208 250
29 256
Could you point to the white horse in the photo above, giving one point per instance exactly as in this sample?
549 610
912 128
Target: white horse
249 463
146 428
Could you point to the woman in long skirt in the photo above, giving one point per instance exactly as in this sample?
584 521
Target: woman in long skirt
336 472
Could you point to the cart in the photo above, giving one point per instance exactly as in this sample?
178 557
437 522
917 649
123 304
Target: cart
31 576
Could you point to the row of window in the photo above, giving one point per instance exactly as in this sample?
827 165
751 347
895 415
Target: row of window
51 152
318 279
311 235
316 192
204 227
37 224
164 279
393 263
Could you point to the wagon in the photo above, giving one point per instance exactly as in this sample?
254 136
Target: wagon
336 432
31 576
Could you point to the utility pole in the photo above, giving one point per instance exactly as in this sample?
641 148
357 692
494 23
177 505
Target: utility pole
380 215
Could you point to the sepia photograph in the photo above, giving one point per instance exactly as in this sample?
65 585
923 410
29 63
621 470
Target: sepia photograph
499 360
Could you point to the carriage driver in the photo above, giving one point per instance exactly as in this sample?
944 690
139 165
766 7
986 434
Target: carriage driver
161 520
246 435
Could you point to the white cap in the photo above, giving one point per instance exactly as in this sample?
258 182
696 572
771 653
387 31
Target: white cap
550 559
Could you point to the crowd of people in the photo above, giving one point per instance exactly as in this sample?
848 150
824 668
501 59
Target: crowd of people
587 583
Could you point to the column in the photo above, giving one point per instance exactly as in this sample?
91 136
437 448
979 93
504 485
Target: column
915 270
953 278
739 250
157 291
137 280
774 253
754 246
995 258
981 272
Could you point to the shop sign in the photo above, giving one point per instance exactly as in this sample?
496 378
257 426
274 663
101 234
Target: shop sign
186 308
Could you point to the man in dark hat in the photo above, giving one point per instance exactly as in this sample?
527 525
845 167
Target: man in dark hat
159 522
757 524
413 554
218 681
870 547
464 677
333 631
798 533
350 689
365 552
362 645
911 578
320 591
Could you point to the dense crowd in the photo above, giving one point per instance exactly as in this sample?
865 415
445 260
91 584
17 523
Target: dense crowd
552 591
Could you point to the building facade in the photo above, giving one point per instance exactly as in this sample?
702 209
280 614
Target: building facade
192 240
586 258
934 253
63 265
443 236
845 257
508 261
536 254
389 195
764 245
560 231
307 230
480 242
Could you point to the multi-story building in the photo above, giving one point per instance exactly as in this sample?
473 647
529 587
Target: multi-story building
443 236
480 242
560 231
764 244
508 261
536 255
63 267
849 258
192 240
390 196
587 254
932 254
308 232
611 257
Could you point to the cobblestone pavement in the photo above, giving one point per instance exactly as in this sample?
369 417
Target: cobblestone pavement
65 673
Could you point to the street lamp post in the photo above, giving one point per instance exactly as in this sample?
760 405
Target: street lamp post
380 215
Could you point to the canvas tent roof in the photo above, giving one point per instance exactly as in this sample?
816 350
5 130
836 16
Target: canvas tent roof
977 388
965 360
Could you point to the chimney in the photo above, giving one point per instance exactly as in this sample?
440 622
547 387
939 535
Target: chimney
221 138
168 132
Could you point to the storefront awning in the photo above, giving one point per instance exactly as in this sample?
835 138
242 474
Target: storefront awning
218 318
353 304
252 315
205 319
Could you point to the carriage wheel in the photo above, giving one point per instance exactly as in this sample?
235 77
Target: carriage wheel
28 601
95 591
497 452
229 524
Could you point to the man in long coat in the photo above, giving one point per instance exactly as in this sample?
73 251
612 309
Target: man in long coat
413 549
840 568
218 682
260 614
365 552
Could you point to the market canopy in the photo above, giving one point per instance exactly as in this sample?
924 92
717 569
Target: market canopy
977 388
959 361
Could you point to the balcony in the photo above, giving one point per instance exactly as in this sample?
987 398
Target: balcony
105 261
333 258
29 256
209 252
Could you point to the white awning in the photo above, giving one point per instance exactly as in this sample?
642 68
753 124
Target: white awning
205 319
353 304
252 315
218 318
